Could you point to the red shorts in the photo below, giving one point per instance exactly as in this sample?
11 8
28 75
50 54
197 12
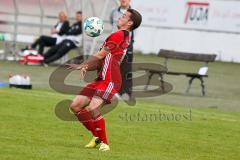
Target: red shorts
103 89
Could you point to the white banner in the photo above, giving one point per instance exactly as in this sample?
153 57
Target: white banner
209 15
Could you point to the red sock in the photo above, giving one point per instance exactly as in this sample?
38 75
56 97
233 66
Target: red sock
99 123
85 118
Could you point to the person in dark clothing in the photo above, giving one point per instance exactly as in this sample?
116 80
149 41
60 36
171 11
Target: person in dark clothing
72 39
126 65
59 30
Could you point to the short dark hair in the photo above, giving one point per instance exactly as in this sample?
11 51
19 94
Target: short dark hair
136 17
79 12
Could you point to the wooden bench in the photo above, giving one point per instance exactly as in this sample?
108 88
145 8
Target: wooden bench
169 54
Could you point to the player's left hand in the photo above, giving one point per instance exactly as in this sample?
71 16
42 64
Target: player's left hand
83 68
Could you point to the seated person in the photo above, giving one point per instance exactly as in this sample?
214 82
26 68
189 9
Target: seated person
72 39
59 29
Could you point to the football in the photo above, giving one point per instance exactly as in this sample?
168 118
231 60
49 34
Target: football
93 26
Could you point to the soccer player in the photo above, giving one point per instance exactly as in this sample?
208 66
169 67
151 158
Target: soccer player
107 61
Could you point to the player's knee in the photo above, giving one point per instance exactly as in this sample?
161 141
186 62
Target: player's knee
89 108
77 105
41 38
92 107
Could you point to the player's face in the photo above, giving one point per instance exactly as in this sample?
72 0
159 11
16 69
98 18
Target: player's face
125 3
78 17
124 21
62 16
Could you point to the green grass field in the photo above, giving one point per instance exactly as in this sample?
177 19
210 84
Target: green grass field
206 127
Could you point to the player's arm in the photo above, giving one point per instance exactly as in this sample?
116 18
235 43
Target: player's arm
102 53
55 30
92 63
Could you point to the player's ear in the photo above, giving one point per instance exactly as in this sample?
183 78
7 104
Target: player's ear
130 23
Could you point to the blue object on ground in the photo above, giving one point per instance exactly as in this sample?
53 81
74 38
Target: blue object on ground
3 84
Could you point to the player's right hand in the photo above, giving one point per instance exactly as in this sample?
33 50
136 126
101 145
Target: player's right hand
83 72
74 66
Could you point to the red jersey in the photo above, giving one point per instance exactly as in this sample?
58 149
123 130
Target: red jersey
117 44
109 79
